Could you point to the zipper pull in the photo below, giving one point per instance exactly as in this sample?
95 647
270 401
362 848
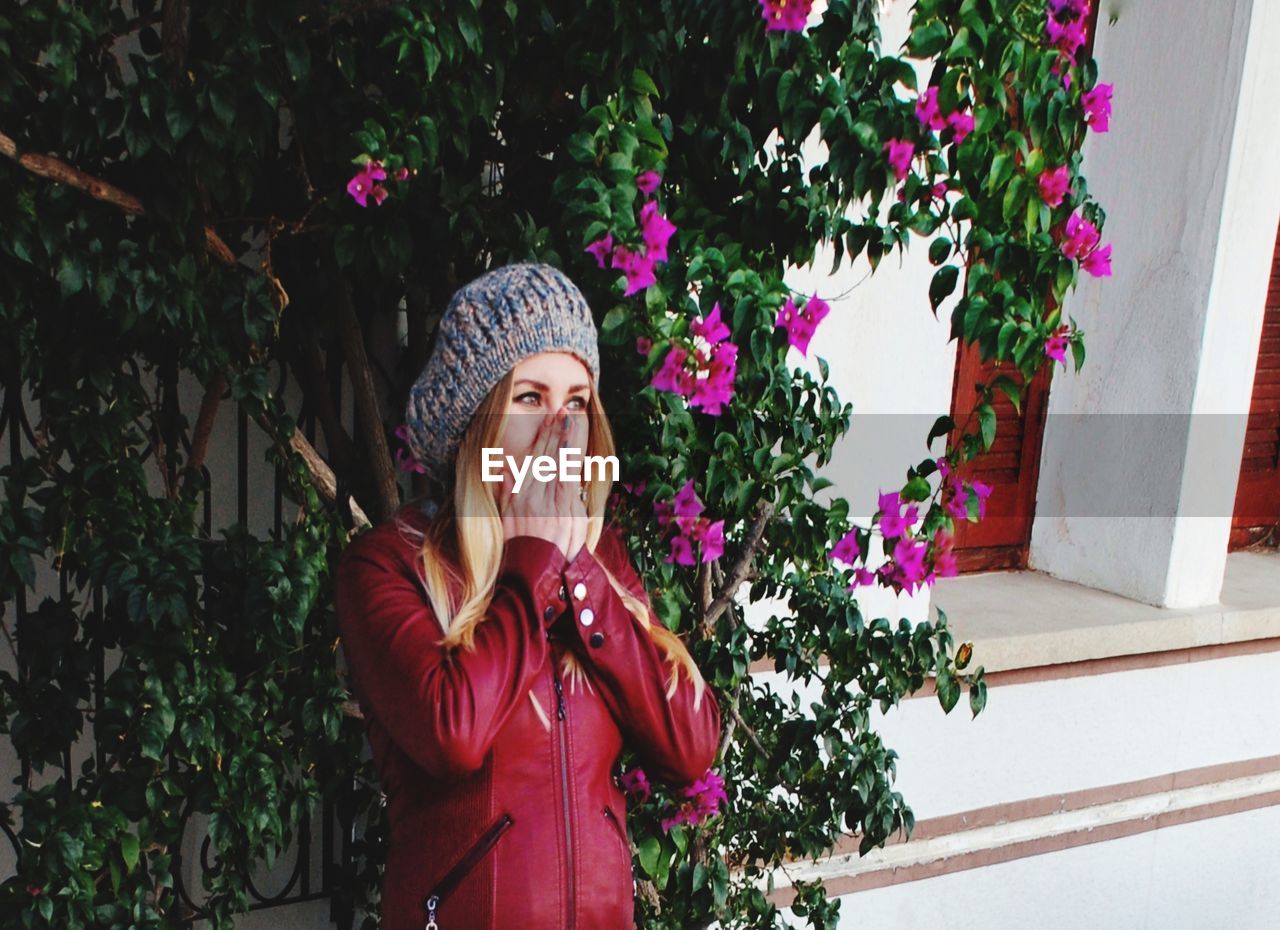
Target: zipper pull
559 696
431 913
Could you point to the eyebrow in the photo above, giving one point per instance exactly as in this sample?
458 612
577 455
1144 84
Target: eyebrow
542 387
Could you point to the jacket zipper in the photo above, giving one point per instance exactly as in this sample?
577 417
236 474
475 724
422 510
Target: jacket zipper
564 781
460 869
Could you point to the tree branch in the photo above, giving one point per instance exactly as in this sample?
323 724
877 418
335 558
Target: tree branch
366 399
741 568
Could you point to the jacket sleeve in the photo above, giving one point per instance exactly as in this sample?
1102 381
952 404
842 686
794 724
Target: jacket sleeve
443 708
675 741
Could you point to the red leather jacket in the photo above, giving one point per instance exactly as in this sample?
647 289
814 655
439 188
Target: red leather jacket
495 820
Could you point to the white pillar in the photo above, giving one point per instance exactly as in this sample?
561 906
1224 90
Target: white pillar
1188 177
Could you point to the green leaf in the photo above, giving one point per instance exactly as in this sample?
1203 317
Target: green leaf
641 83
129 850
987 424
941 427
943 283
649 853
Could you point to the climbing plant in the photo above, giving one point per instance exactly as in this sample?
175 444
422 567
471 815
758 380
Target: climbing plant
223 192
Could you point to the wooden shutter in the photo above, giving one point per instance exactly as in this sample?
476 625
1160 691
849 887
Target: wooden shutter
1011 466
1257 510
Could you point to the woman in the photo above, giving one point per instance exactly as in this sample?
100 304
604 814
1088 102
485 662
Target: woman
500 644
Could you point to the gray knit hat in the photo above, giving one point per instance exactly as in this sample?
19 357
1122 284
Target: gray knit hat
490 325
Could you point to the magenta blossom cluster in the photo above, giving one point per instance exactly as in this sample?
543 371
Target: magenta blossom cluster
913 561
1065 25
802 322
684 512
899 153
1080 241
1055 347
931 117
655 232
702 799
1097 107
635 783
364 183
708 384
1054 185
955 493
785 15
405 461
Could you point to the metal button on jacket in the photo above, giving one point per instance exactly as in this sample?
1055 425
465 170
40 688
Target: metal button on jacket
587 616
597 639
549 612
579 590
564 595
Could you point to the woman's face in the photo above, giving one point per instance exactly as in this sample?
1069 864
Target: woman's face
546 384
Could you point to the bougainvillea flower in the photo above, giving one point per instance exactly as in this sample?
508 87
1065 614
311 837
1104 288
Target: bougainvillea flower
961 125
363 184
636 783
1065 37
908 559
1097 107
785 15
1056 346
637 267
1080 237
402 174
957 503
647 181
405 461
927 111
667 378
983 491
894 522
801 324
846 550
687 506
712 392
710 537
701 801
712 328
681 551
1098 262
656 230
644 345
899 154
862 577
600 249
1054 184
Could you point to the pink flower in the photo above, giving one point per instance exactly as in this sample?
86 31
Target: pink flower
939 191
687 506
663 512
895 523
862 577
957 503
961 125
681 551
1054 184
908 559
785 15
716 389
710 537
1066 37
1080 241
644 345
362 185
656 230
1097 107
702 800
600 249
1098 262
634 489
1055 347
647 181
668 377
944 467
402 174
710 329
899 155
636 783
404 460
927 110
802 324
983 491
638 269
847 549
944 563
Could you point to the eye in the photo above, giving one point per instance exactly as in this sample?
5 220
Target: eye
533 394
579 399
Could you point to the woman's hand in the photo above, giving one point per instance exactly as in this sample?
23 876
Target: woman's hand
550 510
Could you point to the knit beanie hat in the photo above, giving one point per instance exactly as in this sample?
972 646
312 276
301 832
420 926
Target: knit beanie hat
490 325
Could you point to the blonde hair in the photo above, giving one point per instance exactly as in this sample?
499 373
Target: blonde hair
479 543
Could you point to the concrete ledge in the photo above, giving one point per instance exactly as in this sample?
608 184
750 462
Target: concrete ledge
1029 619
